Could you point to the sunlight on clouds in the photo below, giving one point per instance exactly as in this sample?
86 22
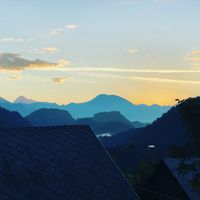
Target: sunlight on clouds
72 26
196 52
132 50
194 58
153 79
59 80
50 50
123 70
15 77
55 32
15 62
13 40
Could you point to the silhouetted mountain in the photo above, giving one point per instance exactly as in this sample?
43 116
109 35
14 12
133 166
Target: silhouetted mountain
23 100
4 101
105 103
50 117
10 119
100 123
107 122
101 103
26 109
114 127
168 129
113 116
151 142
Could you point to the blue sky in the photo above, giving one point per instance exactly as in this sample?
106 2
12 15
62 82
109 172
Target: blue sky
145 50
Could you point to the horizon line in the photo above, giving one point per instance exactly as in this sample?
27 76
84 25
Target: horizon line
36 101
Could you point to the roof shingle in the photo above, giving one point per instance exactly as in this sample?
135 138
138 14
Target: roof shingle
58 163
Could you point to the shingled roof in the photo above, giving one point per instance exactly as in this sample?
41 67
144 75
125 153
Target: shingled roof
173 165
58 163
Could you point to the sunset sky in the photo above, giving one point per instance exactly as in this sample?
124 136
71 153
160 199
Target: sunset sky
147 51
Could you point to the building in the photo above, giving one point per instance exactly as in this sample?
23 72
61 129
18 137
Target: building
167 184
58 163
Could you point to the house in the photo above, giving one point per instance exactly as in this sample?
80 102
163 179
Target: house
167 184
58 163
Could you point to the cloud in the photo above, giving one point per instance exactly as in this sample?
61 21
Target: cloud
13 40
153 79
72 26
46 50
132 50
55 31
14 61
126 70
15 77
193 56
196 52
49 50
59 80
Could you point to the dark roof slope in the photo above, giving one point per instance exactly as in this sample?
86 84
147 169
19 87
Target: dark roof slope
58 163
173 164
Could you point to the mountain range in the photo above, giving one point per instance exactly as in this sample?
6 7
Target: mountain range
152 142
101 103
127 144
101 123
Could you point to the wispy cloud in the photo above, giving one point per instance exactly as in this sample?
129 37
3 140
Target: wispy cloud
49 50
14 61
15 77
55 31
193 56
59 30
46 50
126 70
132 50
196 52
59 80
153 79
72 26
13 40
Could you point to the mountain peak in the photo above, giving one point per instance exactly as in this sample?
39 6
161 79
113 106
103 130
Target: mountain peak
112 116
2 100
23 100
108 98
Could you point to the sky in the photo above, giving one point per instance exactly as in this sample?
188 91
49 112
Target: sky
62 51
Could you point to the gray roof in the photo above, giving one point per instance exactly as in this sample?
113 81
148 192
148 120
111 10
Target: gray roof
58 163
173 164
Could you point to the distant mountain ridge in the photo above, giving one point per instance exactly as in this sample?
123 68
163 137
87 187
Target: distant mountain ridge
166 130
50 117
23 100
100 123
152 142
107 122
10 119
101 103
105 103
4 101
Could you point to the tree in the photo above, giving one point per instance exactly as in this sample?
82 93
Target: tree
189 154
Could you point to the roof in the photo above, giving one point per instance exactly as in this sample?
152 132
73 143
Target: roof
173 164
58 163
